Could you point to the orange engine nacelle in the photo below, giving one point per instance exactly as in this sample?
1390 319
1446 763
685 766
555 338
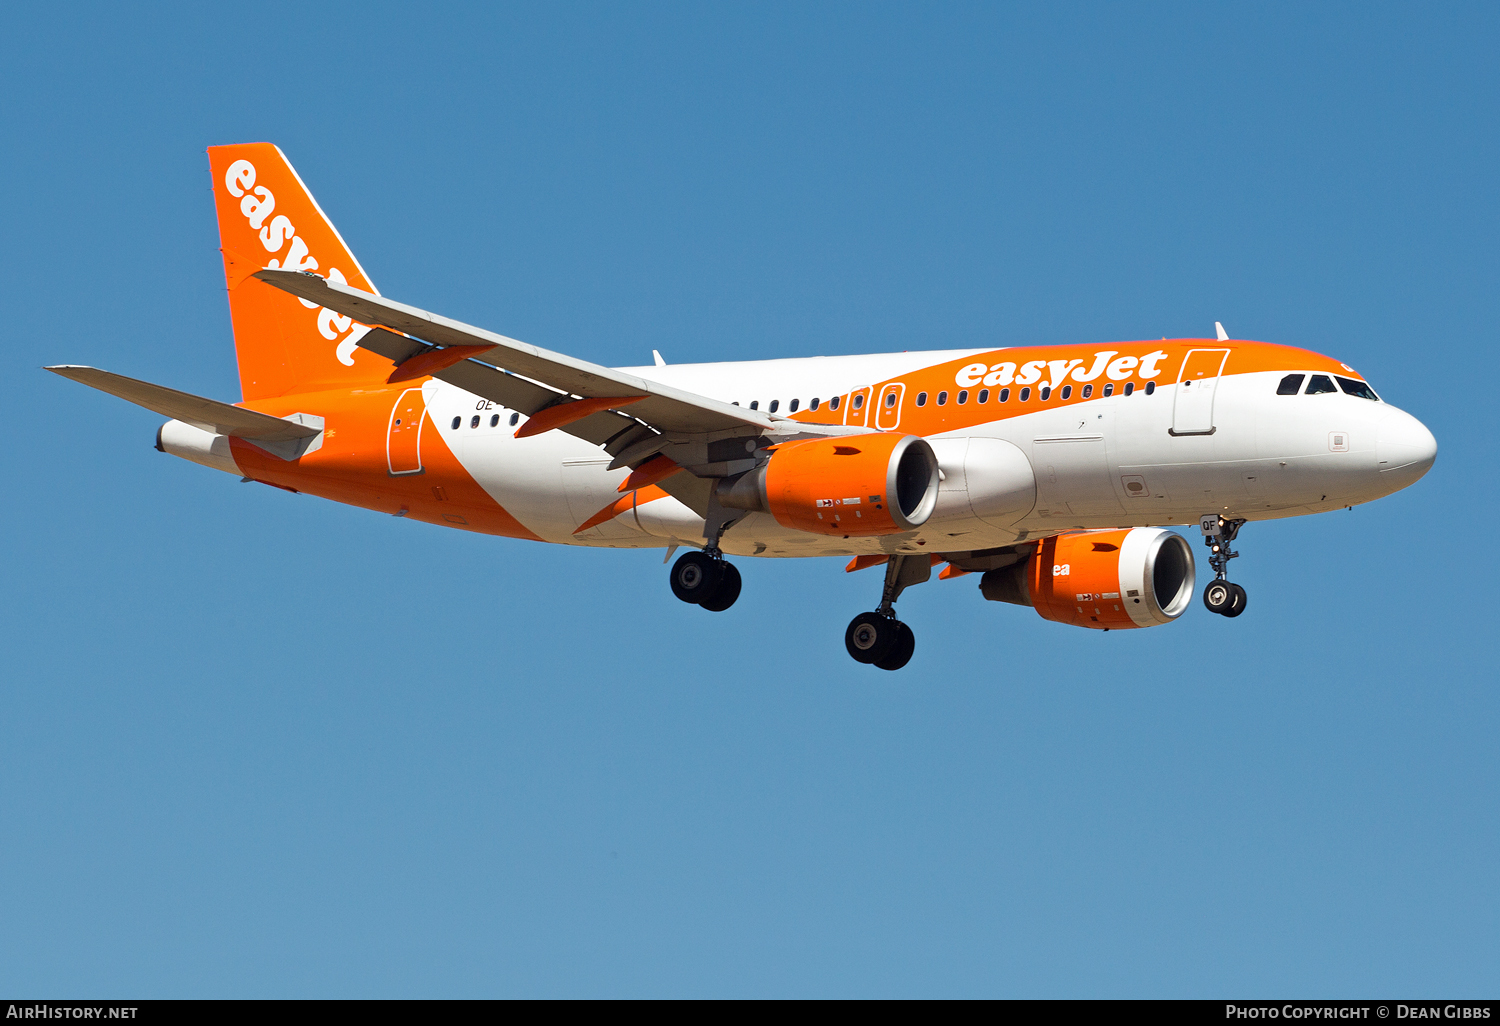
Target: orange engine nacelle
851 485
1107 580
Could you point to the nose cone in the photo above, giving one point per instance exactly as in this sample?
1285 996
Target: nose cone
1404 449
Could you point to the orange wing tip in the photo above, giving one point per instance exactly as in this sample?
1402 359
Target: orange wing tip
433 360
658 468
564 414
950 571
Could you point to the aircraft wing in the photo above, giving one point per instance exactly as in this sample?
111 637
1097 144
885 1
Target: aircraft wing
668 410
207 414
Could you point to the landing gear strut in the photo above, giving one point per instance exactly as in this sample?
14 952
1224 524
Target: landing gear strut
1221 596
879 638
706 578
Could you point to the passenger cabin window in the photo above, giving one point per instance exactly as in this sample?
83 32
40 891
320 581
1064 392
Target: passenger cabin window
833 404
1005 395
474 421
755 404
1358 388
793 408
942 398
774 404
859 401
921 398
1320 384
813 405
890 399
963 397
1150 387
456 422
515 418
1067 392
1088 390
984 396
495 420
1025 394
1129 387
1046 392
1291 384
1109 390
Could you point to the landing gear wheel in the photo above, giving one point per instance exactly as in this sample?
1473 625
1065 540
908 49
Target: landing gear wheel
696 576
728 590
1219 597
1237 604
901 649
870 637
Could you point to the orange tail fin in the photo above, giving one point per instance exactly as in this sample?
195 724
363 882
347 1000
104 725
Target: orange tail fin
267 218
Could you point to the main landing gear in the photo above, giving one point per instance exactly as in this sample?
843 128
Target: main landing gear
706 579
879 638
1221 596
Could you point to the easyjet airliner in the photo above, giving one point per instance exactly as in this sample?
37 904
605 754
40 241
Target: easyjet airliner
1051 471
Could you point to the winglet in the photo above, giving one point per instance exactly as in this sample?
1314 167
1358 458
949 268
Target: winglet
1223 335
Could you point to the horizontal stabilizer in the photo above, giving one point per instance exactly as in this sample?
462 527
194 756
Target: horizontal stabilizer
207 414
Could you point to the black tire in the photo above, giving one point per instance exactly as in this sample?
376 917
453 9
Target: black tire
1219 597
727 592
696 576
1237 606
869 637
901 649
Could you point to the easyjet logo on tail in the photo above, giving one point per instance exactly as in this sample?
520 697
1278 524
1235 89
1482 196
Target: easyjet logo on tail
277 233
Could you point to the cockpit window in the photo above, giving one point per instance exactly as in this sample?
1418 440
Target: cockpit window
1358 388
1291 384
1319 384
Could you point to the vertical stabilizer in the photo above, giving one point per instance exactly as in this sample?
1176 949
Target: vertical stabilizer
267 218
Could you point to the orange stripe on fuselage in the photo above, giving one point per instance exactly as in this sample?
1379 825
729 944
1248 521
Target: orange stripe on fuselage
351 466
932 419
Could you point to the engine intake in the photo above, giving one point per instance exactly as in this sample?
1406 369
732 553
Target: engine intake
1106 580
851 485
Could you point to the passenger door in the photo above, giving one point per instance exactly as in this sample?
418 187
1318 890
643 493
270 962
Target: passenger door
1193 406
403 440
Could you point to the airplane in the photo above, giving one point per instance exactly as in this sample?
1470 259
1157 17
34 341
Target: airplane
1053 472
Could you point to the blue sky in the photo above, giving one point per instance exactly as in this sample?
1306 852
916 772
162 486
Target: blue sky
262 745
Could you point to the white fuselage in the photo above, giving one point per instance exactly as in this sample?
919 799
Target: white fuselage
1110 462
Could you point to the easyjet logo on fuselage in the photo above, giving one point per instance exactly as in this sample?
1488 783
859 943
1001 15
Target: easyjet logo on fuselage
257 204
1106 362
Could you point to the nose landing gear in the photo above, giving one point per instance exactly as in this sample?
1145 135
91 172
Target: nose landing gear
878 638
1222 596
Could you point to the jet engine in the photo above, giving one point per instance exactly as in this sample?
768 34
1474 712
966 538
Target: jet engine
856 485
1107 580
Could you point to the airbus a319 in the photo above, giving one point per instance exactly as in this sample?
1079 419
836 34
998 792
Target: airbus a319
1050 471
